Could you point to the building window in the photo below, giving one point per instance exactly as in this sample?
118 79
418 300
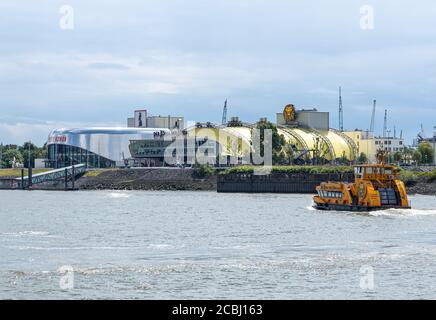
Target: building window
60 156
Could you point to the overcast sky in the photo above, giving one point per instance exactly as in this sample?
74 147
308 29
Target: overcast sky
185 57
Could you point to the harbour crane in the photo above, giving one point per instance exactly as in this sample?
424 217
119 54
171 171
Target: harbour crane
371 129
421 134
385 125
224 119
341 111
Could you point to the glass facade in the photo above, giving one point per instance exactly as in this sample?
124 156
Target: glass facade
148 148
61 155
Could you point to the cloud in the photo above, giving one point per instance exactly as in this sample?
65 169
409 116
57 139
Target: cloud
187 58
37 132
107 66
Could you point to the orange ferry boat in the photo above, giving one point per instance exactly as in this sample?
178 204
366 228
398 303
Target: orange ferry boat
376 187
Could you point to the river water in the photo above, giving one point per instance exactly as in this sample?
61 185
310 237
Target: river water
198 245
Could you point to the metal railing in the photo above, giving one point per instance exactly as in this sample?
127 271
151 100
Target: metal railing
57 174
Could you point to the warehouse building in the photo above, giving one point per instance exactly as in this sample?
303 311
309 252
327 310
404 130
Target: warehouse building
369 144
147 138
142 119
306 132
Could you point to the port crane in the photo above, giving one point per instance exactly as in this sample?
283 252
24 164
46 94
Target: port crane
224 119
371 129
385 125
341 111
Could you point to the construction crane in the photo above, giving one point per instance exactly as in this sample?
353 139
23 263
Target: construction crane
385 124
421 135
341 111
371 129
224 120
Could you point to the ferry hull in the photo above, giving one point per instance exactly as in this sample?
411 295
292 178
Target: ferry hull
353 208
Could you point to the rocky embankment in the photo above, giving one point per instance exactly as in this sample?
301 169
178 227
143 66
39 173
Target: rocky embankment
190 179
422 187
147 179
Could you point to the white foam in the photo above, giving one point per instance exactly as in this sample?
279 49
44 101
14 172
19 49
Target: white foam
160 246
118 195
26 233
404 212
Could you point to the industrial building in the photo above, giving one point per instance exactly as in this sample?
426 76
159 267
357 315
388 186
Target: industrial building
369 144
307 132
144 141
97 147
141 119
147 138
110 147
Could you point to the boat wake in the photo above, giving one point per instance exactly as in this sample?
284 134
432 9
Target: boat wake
404 212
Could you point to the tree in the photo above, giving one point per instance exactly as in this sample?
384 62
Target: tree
407 155
35 152
290 154
363 158
398 157
8 157
278 141
427 152
417 157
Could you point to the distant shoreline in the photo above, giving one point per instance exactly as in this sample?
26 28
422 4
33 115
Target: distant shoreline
188 179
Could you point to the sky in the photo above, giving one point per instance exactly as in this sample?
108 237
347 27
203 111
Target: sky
185 57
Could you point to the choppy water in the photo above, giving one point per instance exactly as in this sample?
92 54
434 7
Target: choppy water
183 245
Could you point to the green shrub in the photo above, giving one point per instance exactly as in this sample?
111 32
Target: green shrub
203 171
293 169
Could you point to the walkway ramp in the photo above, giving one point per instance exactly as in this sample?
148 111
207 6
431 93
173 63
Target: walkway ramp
52 175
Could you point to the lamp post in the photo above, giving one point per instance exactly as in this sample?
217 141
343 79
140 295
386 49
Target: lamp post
28 160
1 154
29 167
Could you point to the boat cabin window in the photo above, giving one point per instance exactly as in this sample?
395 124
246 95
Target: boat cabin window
388 171
358 171
330 194
369 170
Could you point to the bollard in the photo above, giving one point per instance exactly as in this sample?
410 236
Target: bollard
30 174
73 177
66 179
